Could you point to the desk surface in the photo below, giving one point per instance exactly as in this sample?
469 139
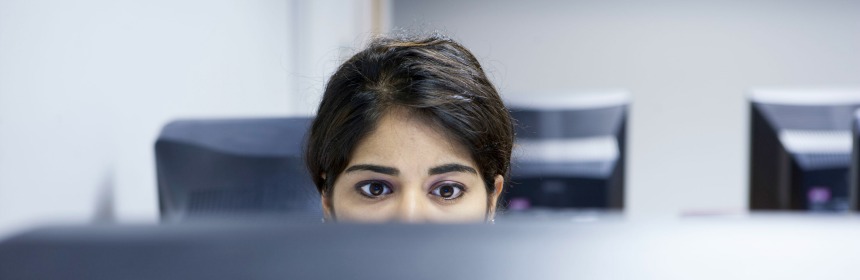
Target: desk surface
768 247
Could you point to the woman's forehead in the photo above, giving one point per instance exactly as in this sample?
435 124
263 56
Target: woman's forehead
404 140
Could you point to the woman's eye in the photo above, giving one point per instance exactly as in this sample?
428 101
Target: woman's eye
448 191
374 189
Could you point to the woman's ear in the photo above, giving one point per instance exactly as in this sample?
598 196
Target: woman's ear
327 211
325 200
499 184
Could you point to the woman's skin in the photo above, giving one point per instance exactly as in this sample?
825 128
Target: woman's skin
409 171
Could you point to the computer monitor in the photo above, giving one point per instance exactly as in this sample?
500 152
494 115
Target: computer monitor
564 249
800 149
219 167
569 152
854 177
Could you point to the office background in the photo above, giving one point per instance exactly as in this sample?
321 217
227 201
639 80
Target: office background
85 86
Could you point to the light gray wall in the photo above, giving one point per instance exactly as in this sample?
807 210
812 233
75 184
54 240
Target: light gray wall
688 65
85 87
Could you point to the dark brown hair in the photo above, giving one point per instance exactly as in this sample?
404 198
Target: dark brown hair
431 77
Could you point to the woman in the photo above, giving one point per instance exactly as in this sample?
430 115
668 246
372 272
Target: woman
410 130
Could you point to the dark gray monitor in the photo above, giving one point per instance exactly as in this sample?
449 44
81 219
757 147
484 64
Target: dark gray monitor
854 179
219 167
800 149
569 151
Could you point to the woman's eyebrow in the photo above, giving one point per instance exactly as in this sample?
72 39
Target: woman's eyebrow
374 168
451 167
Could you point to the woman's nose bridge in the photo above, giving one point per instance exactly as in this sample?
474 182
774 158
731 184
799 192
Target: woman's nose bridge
412 206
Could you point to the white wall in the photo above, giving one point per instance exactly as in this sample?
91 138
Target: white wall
85 87
326 34
688 65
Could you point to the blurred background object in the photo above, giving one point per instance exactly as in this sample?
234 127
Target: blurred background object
86 86
234 167
800 148
569 152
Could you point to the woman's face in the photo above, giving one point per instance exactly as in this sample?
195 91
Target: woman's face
409 171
